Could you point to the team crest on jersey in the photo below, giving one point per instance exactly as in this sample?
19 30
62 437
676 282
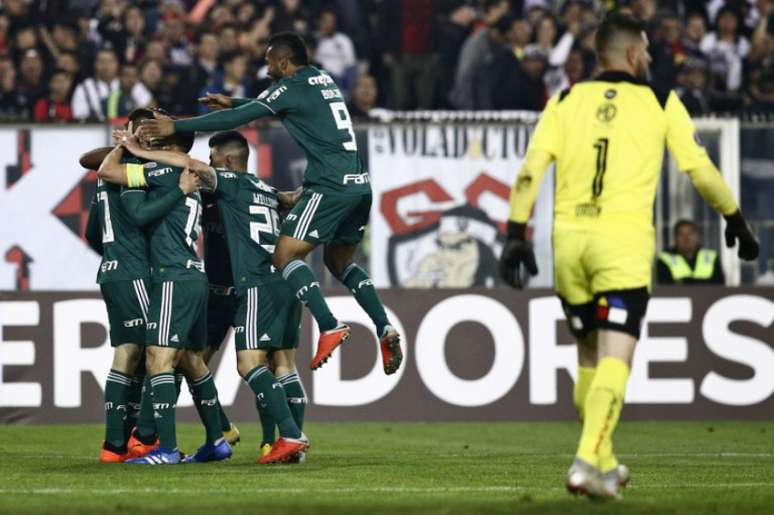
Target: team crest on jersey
610 94
150 164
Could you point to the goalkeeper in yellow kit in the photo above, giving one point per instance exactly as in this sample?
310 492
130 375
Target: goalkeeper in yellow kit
607 136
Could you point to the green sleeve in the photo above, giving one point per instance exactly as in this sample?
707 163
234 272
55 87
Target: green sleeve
237 102
93 232
225 119
143 211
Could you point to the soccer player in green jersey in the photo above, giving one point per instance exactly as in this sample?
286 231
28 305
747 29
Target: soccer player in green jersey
177 301
268 316
335 206
114 231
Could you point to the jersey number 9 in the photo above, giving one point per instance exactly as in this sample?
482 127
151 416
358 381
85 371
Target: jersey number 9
344 123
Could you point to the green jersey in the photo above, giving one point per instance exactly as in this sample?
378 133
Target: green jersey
312 109
216 258
173 238
248 212
124 246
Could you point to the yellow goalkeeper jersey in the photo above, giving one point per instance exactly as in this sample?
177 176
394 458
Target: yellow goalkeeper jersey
607 136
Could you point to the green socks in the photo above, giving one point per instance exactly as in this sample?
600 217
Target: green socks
164 400
205 397
296 395
133 400
116 395
307 289
267 423
362 287
272 397
146 424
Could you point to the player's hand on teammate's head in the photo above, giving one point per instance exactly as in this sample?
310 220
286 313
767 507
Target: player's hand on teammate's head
154 129
126 140
737 229
189 181
517 252
216 101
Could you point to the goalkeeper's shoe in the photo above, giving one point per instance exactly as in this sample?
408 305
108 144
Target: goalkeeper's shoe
284 448
158 456
211 452
265 449
392 356
232 435
328 342
108 456
585 479
623 475
137 449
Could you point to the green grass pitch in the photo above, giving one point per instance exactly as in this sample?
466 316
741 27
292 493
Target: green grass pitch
681 468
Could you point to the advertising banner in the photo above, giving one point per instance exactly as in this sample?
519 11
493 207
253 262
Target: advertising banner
476 354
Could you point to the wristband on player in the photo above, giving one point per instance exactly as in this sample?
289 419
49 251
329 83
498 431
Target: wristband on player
517 231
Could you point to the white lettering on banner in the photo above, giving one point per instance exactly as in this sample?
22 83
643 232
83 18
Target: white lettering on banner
29 204
644 389
546 356
70 359
18 353
330 389
431 343
741 349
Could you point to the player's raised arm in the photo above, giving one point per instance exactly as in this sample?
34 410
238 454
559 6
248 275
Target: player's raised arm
542 150
692 158
171 157
143 211
112 170
225 119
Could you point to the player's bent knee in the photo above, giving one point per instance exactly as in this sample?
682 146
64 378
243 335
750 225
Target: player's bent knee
249 359
160 359
193 365
126 358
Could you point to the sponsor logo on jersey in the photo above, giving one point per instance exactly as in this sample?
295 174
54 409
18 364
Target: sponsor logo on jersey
192 263
175 339
302 291
109 266
314 234
356 178
209 402
606 112
133 323
291 216
587 209
160 171
150 164
320 80
227 175
264 338
276 94
152 325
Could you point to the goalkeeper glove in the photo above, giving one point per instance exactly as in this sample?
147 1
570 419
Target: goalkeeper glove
517 251
737 229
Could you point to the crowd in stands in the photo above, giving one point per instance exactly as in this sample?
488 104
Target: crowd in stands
92 60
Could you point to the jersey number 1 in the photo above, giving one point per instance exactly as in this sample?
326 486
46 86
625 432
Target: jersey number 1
107 232
596 187
344 123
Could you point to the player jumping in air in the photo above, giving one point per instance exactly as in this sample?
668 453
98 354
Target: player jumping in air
268 316
607 137
335 205
177 305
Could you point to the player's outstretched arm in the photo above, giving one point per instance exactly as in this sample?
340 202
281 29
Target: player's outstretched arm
112 170
692 158
222 120
170 157
93 158
518 250
142 211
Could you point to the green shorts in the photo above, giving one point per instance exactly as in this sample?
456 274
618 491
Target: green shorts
127 308
178 315
326 218
268 318
221 311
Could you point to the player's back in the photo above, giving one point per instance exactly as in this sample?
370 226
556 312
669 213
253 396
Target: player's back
315 114
248 210
609 135
125 249
172 239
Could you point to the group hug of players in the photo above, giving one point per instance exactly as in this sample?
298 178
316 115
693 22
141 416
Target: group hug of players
606 137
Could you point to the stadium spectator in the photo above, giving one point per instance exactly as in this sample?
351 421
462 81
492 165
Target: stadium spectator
177 45
546 38
452 30
129 95
290 15
693 34
56 106
228 38
32 81
335 51
90 95
409 52
519 36
364 96
687 262
206 62
13 104
665 50
68 61
150 75
692 86
561 78
527 91
233 81
726 48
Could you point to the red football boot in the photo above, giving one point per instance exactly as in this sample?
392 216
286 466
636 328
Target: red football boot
284 449
137 449
106 456
392 356
328 342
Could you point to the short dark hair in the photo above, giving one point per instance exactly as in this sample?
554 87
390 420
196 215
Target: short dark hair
231 138
141 113
185 140
293 44
684 223
613 26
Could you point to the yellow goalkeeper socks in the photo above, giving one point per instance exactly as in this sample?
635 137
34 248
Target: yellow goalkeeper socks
602 410
581 389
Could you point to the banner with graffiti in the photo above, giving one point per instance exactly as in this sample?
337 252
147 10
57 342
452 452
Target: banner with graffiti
441 204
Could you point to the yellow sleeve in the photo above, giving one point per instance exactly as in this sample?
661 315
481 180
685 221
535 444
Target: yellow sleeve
543 148
713 189
135 175
681 137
